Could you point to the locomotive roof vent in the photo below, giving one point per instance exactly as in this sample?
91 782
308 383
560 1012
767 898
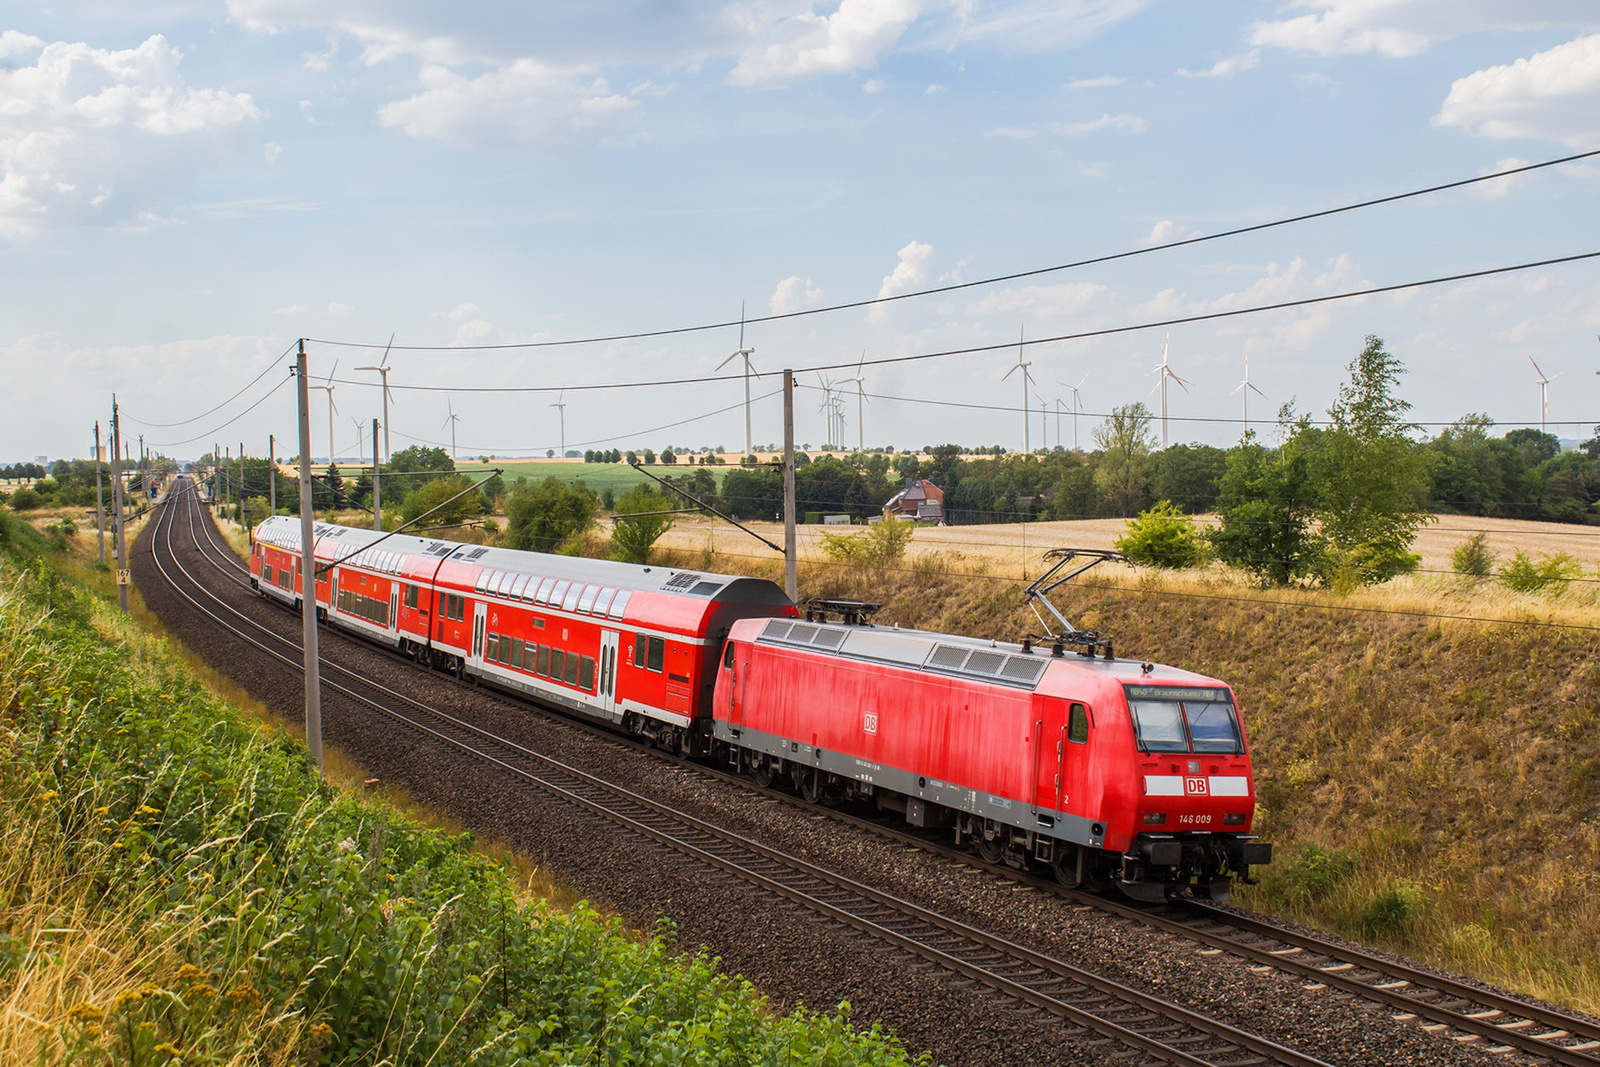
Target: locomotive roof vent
682 581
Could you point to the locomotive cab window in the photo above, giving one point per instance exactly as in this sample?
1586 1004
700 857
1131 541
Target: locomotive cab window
657 654
727 659
1182 719
1078 725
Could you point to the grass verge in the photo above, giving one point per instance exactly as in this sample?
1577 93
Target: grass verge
177 884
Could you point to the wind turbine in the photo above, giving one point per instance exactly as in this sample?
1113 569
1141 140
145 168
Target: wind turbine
1166 372
1077 406
861 398
829 407
1544 393
361 454
1022 365
451 422
1246 388
383 370
561 405
332 408
744 354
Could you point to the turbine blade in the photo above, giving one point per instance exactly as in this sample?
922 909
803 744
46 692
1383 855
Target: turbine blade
1258 392
727 361
1010 372
1536 367
384 361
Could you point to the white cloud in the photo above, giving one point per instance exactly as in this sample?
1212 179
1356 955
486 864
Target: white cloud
793 294
306 108
1549 96
1103 82
1164 231
934 88
339 311
460 311
1016 133
248 209
104 137
1096 169
874 85
272 150
292 309
1033 25
805 44
472 331
1130 123
524 104
1224 67
14 43
908 273
1400 28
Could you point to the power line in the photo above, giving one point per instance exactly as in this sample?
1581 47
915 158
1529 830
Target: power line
269 394
1015 276
1082 335
219 407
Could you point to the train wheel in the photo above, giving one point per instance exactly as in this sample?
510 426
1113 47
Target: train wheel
811 787
990 851
1071 867
762 774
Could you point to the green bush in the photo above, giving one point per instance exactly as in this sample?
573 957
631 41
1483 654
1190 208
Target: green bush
1393 910
1313 873
639 524
1162 536
1472 557
25 499
883 544
545 516
1523 575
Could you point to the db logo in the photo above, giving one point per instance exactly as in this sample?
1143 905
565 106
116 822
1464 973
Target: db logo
1194 787
869 723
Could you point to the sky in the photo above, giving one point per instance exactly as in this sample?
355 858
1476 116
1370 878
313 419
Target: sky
188 187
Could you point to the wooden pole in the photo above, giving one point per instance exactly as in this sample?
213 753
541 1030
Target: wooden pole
272 472
377 494
99 495
116 504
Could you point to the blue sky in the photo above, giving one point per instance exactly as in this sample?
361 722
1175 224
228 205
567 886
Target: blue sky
188 187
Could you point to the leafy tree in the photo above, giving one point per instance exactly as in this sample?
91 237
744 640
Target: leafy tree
1187 475
1162 536
542 517
1472 557
1523 575
638 524
753 494
668 456
1370 482
1125 441
414 460
1265 513
883 544
1535 446
333 483
256 510
435 493
25 499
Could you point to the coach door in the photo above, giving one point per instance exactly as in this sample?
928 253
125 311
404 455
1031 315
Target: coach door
609 640
480 612
394 607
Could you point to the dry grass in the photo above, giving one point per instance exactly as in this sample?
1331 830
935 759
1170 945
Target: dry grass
1457 764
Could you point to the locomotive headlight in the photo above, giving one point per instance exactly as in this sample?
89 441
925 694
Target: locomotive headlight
1155 818
1233 818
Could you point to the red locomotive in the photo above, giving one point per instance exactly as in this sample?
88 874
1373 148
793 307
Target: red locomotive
1098 768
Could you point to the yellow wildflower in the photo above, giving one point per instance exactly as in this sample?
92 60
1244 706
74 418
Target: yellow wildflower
49 794
128 998
84 1012
145 809
189 972
102 811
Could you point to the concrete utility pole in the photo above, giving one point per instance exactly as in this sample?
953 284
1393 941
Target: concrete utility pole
791 576
377 494
99 495
272 472
116 504
308 572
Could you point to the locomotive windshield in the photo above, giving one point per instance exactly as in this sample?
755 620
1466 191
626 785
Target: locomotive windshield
1183 719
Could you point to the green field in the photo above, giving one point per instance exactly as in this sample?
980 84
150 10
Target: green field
619 476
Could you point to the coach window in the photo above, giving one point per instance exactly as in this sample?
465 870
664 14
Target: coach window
558 663
658 654
516 652
586 601
586 673
573 593
492 649
603 601
620 603
506 581
1078 725
572 668
518 586
545 589
505 649
542 668
557 593
640 643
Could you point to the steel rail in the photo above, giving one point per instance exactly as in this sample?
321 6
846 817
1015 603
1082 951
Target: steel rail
1414 992
931 936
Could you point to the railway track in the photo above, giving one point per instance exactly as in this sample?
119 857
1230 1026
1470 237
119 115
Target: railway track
1450 1009
1095 1011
